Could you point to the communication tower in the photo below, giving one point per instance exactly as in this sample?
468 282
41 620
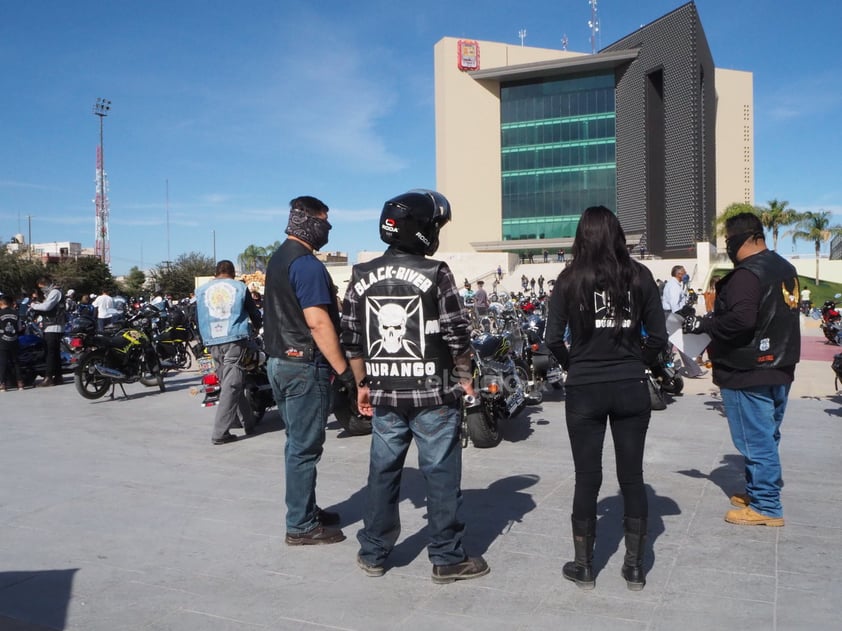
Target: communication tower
102 242
593 24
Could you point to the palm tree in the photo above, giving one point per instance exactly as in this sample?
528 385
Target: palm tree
737 208
815 227
250 257
775 215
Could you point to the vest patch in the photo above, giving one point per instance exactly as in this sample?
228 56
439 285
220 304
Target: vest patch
400 369
388 272
394 328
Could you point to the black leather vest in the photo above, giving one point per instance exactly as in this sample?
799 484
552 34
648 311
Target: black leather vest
56 315
285 332
777 334
399 309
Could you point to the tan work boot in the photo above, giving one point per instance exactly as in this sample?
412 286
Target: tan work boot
750 517
740 500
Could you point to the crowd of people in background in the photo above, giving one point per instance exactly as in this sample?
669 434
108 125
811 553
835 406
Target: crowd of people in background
596 311
49 312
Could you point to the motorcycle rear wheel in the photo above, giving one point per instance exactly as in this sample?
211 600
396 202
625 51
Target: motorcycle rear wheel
89 383
830 335
185 359
673 385
354 424
258 401
152 375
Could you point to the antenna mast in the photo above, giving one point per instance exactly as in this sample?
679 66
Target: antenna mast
102 242
522 34
168 220
593 24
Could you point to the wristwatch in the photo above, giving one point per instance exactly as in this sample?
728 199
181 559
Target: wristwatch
364 382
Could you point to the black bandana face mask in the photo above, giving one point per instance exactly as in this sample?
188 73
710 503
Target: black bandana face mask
309 229
734 243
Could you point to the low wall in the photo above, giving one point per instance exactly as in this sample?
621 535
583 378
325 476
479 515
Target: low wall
483 265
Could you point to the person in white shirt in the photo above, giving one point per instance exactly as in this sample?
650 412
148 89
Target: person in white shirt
674 300
104 305
806 300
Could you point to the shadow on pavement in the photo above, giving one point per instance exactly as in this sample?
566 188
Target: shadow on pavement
520 427
609 526
729 476
32 601
488 513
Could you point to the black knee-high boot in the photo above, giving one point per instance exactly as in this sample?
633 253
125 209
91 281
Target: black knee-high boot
635 528
580 571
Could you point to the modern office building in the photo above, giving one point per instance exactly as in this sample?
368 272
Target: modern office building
527 138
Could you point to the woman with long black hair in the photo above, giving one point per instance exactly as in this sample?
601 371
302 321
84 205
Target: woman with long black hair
607 300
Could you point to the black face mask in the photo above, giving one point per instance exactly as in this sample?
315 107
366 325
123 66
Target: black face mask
734 243
312 230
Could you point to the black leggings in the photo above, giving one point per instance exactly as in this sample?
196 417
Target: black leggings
589 407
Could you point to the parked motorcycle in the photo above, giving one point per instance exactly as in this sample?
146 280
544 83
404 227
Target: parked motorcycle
664 379
346 412
171 335
542 364
500 383
831 321
257 389
836 367
122 354
32 354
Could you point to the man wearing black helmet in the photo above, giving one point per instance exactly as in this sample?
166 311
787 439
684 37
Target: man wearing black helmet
407 336
301 326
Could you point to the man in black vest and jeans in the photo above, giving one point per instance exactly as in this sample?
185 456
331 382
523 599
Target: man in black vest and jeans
52 310
301 338
755 344
407 335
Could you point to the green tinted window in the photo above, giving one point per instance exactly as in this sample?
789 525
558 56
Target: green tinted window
558 153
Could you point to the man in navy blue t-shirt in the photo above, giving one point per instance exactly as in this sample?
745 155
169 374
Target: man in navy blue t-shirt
301 325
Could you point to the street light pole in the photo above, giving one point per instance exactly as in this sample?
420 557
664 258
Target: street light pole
29 238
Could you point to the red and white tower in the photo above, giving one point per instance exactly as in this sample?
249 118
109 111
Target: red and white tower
102 244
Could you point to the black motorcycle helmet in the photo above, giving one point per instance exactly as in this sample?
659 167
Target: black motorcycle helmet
411 222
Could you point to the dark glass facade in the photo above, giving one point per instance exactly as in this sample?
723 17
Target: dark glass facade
558 153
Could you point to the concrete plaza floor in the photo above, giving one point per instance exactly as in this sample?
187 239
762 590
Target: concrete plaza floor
120 514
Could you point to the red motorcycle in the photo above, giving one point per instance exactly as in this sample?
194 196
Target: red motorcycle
831 324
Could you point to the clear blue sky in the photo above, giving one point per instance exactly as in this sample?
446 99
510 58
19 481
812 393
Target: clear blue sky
242 105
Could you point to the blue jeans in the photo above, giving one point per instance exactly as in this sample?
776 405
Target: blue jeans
436 433
755 416
304 398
